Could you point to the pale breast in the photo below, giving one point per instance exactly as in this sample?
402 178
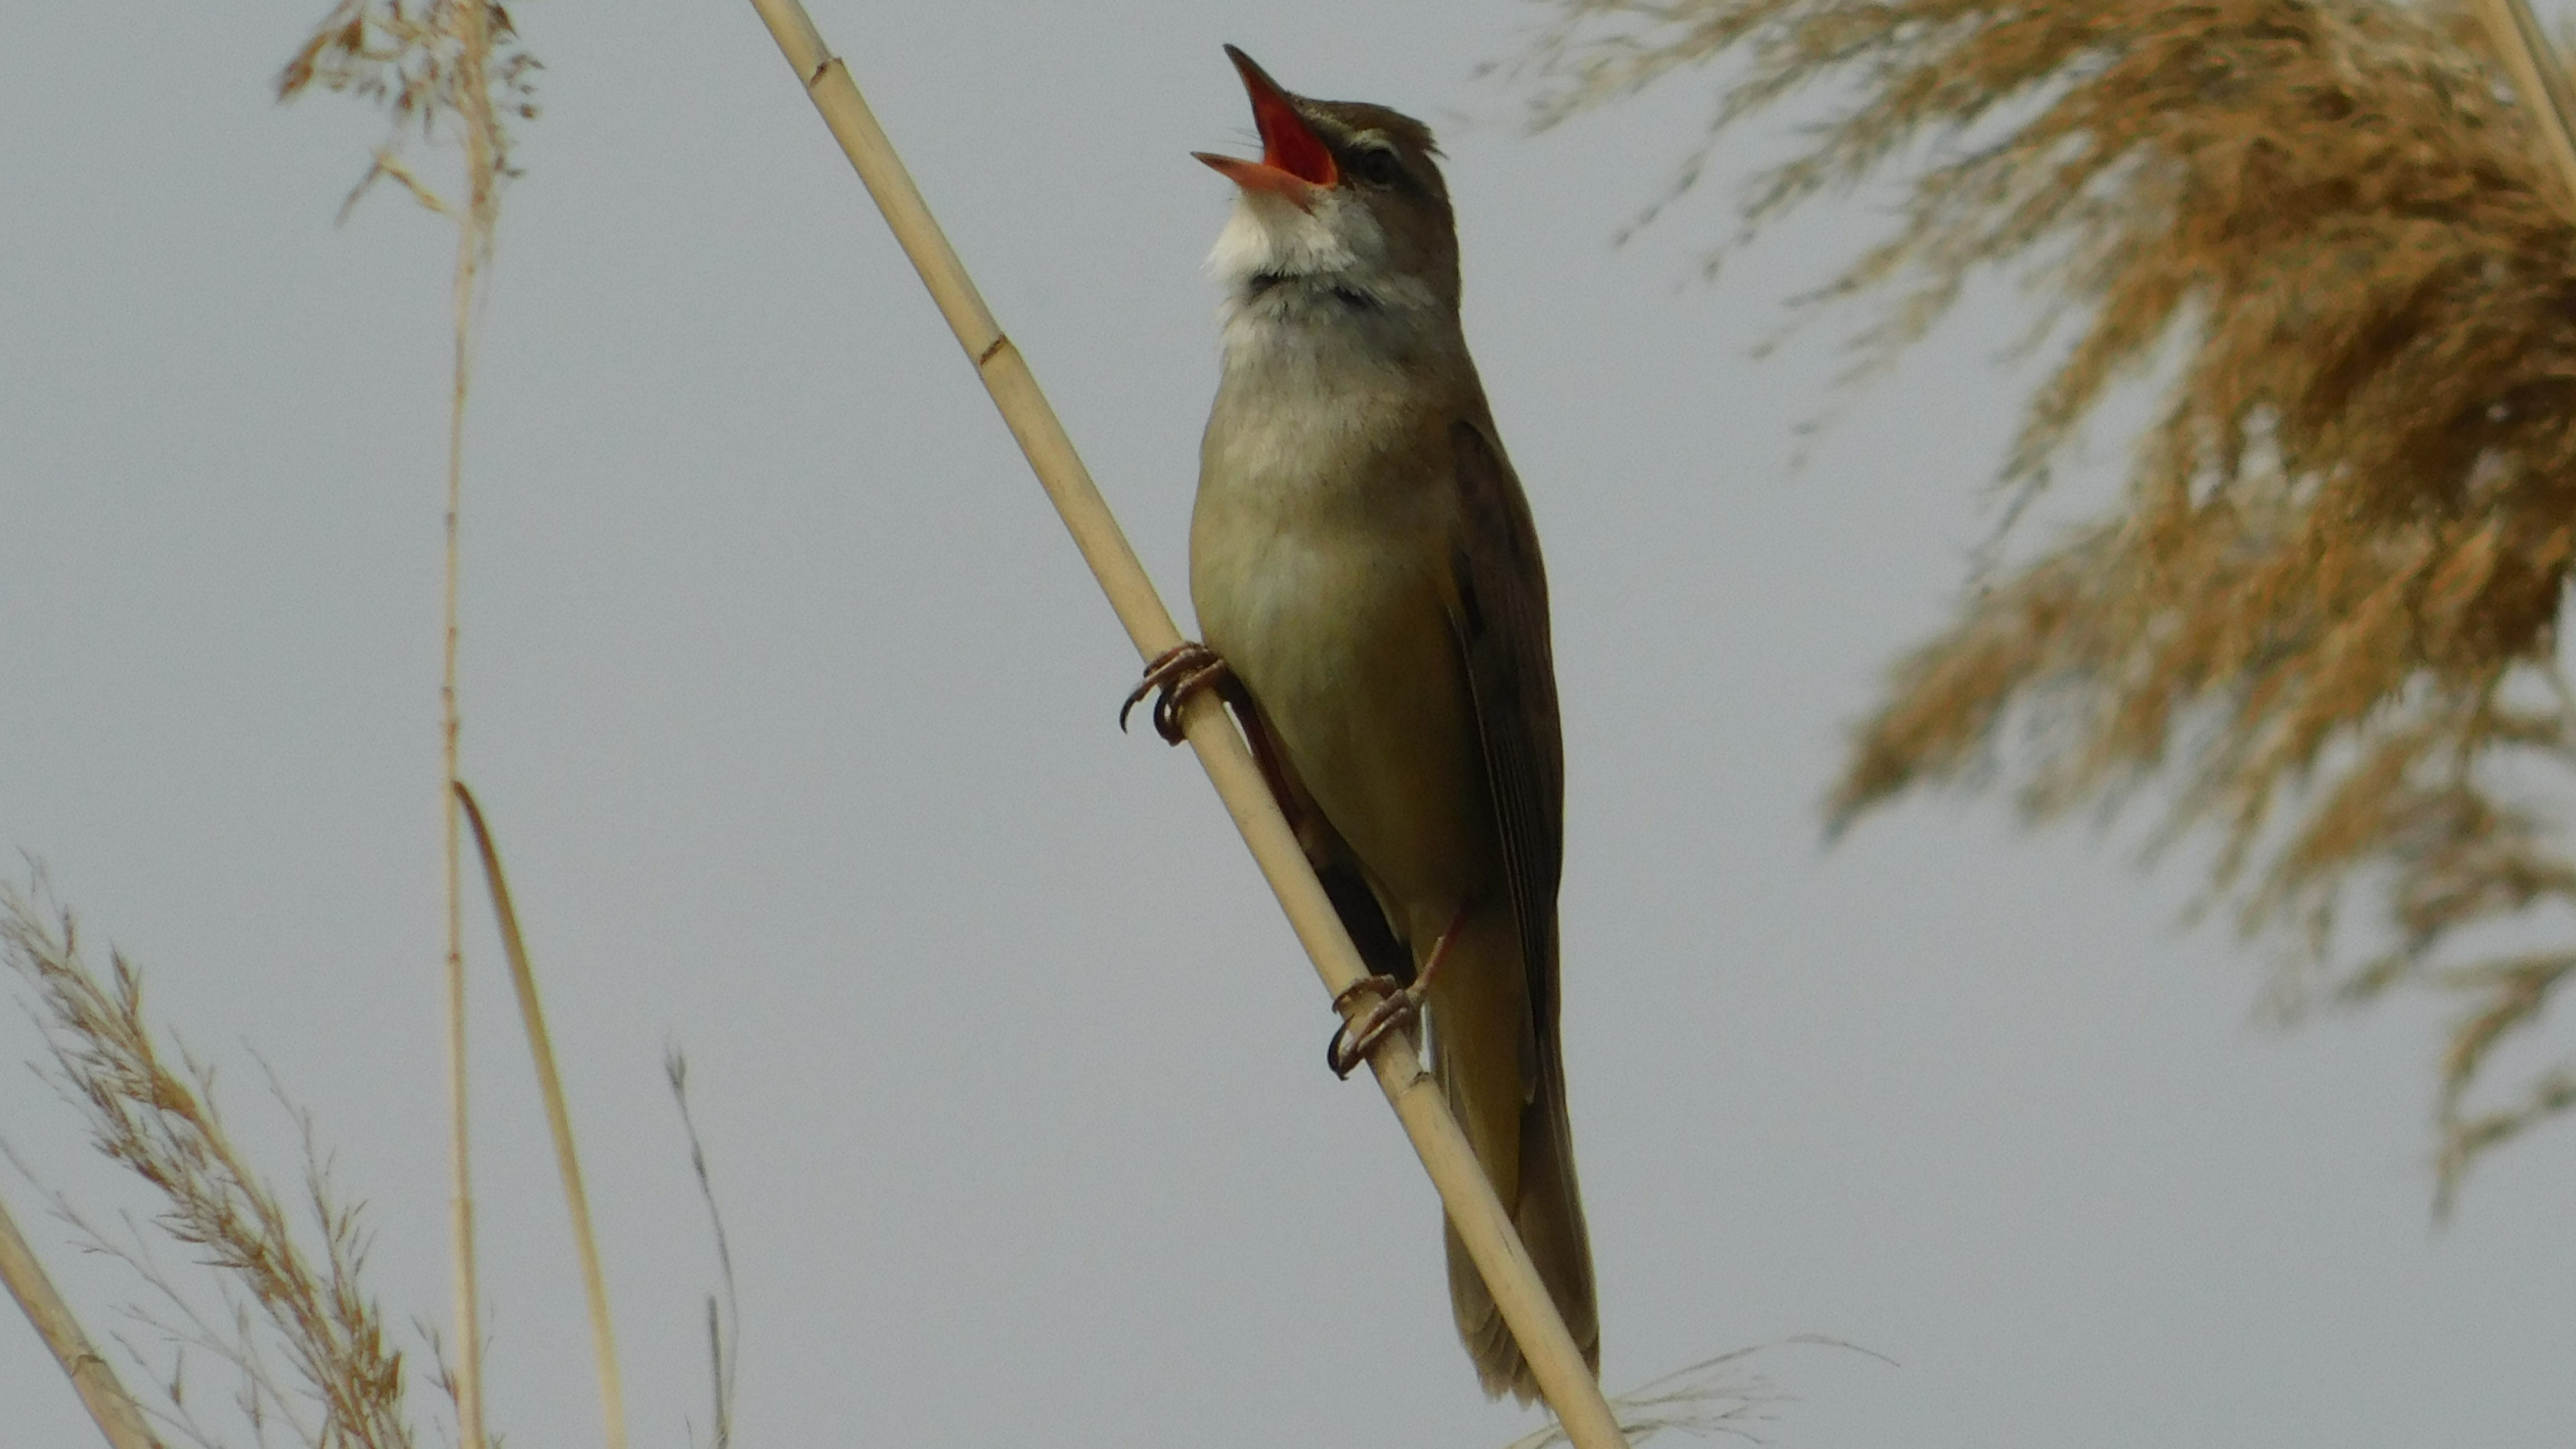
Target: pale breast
1319 552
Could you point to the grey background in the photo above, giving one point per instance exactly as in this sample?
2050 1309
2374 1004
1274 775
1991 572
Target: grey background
792 708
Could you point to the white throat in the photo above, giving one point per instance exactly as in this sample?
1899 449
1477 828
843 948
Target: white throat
1280 263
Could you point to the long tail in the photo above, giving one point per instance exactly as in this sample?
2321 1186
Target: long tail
1513 1110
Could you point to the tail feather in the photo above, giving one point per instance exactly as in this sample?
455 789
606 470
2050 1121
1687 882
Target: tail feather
1546 1207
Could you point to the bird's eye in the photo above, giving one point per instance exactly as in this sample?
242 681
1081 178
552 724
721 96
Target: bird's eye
1376 165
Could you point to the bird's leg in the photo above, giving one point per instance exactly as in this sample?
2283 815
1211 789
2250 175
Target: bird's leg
1266 756
1179 672
1397 1005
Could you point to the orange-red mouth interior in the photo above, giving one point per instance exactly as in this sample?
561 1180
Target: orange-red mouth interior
1287 142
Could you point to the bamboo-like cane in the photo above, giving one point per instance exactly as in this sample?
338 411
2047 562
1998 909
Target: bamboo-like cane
1464 1192
2542 80
541 1049
92 1378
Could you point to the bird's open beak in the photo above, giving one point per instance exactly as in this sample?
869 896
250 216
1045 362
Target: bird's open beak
1294 164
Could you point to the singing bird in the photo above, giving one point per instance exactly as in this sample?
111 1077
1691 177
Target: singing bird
1365 570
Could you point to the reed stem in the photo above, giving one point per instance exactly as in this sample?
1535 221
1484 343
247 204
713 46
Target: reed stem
92 1378
2542 81
472 22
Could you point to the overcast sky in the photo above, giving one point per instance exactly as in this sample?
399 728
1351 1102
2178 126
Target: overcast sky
792 708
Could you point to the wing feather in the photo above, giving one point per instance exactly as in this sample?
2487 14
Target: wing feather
1502 629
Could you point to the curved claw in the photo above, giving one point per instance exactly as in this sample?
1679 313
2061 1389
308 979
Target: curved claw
1400 1004
1179 672
1352 1041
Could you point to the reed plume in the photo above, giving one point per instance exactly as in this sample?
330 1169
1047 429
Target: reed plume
284 1309
2320 621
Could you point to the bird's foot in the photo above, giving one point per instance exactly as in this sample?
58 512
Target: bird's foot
1179 672
1398 1005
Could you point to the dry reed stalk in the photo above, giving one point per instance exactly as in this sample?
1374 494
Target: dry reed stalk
541 1050
93 1378
723 1345
2539 77
1468 1197
2325 616
470 25
434 64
